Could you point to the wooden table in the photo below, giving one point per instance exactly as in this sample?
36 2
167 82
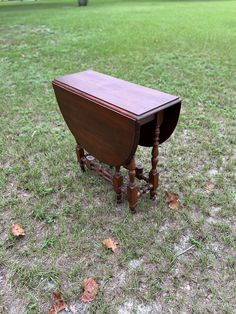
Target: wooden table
109 118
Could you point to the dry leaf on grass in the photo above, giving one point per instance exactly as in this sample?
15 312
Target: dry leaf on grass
17 230
58 303
172 200
90 290
110 244
210 186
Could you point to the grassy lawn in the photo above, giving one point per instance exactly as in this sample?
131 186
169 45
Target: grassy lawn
186 48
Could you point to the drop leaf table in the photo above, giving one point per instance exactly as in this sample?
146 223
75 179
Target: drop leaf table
109 118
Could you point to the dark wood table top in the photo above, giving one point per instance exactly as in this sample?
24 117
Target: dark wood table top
109 117
119 95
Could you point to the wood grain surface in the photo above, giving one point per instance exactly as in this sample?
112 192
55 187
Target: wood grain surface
105 134
135 99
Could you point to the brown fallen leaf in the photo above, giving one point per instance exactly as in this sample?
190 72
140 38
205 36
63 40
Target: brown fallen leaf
172 200
210 186
17 230
58 303
90 290
110 244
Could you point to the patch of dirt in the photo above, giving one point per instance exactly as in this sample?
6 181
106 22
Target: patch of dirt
11 304
214 210
77 308
13 189
211 220
135 263
183 244
133 306
164 230
213 172
234 155
118 281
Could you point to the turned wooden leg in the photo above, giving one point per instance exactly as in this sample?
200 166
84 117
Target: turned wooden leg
153 174
117 183
132 189
80 156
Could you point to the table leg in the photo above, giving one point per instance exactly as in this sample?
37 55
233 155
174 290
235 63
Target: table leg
80 156
153 174
117 183
139 170
132 189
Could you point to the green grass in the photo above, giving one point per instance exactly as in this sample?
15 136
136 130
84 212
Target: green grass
186 48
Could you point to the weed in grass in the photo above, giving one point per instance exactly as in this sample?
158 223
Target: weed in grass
48 242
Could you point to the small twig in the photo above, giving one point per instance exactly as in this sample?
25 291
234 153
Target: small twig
185 251
181 253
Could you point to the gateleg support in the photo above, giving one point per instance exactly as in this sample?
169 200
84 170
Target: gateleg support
117 184
153 174
132 189
80 156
